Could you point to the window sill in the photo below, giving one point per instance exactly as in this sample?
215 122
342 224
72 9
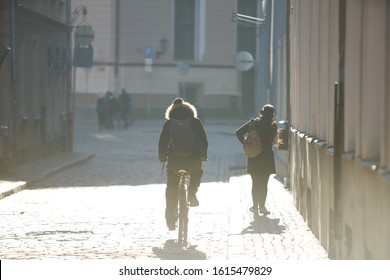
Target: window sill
385 173
320 143
371 164
349 155
330 150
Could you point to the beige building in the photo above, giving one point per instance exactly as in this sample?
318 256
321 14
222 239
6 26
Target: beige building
158 50
340 139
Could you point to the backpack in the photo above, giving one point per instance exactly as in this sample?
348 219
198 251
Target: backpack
252 142
182 137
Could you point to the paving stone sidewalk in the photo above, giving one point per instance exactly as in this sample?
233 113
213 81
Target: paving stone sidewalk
88 212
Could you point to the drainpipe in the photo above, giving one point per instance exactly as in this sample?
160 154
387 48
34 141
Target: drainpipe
13 111
116 70
288 108
69 97
262 58
339 136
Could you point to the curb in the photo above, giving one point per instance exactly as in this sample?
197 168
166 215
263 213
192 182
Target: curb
60 168
8 188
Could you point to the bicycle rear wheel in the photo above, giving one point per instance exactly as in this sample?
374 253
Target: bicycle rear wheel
183 217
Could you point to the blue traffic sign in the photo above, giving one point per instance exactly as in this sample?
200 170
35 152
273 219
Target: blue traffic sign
148 51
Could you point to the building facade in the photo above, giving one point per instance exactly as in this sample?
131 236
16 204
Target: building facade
340 141
157 50
35 80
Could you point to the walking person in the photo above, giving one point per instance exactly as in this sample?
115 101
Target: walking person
181 151
115 118
101 112
109 122
261 166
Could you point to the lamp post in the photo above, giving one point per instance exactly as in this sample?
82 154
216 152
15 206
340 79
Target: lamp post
83 36
82 56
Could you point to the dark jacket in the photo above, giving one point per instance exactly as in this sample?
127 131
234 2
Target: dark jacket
181 112
100 105
263 164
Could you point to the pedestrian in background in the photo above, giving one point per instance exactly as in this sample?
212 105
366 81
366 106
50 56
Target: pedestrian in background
262 166
192 163
108 121
115 118
101 112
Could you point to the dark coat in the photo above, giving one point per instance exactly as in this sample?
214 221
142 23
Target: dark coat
193 162
100 105
263 164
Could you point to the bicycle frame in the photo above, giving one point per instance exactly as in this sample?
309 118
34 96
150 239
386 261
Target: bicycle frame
183 208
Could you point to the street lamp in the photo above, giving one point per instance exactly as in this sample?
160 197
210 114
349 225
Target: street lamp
83 35
163 47
82 57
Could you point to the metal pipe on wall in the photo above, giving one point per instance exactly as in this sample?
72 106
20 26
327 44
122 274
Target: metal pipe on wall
339 133
117 49
69 93
13 97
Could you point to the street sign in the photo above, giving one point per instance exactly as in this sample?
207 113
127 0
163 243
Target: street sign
182 68
243 61
83 56
148 51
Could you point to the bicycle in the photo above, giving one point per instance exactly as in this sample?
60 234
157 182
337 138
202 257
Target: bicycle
183 208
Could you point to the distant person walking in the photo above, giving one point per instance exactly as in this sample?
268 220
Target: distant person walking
114 112
101 112
261 166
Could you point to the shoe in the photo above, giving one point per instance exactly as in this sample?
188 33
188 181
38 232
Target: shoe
264 211
193 200
171 225
253 210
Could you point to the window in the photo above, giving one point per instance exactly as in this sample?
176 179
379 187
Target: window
190 91
189 28
184 29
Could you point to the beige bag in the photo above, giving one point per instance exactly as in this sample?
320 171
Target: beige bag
252 142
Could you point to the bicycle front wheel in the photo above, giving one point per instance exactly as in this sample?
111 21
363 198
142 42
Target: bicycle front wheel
183 219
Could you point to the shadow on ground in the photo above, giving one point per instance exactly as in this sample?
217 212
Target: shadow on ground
173 251
263 224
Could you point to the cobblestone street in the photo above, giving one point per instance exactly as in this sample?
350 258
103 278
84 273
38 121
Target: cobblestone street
112 205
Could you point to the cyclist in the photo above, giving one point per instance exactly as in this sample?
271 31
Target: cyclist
181 110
